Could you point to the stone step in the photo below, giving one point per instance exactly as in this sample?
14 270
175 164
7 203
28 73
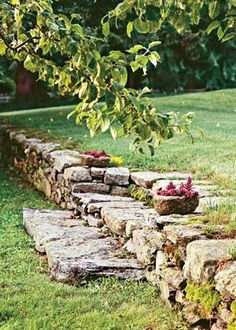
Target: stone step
76 251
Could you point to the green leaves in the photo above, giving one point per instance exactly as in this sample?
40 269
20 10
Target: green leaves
214 25
154 57
3 48
106 28
214 9
62 52
135 49
129 29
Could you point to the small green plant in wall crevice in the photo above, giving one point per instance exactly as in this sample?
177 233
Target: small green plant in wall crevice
204 295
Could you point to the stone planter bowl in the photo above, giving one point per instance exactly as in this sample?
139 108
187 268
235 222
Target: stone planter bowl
87 160
165 205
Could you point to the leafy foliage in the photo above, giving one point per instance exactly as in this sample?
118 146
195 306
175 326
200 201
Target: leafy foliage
64 53
150 15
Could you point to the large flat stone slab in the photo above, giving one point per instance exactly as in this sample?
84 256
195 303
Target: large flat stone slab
60 159
144 179
96 207
116 218
88 198
202 258
90 187
117 176
74 260
76 251
43 148
45 226
183 234
77 173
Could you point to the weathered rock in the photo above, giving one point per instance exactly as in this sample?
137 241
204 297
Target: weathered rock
88 198
144 179
116 219
94 221
174 277
147 242
117 176
219 325
19 138
132 225
180 297
202 258
76 259
161 261
90 187
96 207
119 191
60 159
45 226
77 173
165 205
226 281
190 313
167 292
183 234
224 313
98 172
129 246
44 148
31 141
153 278
42 183
163 220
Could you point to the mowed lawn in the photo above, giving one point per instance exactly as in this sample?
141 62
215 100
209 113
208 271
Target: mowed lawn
214 153
29 300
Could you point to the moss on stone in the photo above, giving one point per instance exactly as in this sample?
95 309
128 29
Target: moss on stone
205 295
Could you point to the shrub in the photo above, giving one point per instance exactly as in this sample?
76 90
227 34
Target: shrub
7 86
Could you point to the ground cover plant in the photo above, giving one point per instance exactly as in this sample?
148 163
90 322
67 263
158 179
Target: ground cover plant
29 300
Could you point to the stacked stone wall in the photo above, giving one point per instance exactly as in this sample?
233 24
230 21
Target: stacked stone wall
192 266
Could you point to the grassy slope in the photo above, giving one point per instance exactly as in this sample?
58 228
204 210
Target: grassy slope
215 114
29 300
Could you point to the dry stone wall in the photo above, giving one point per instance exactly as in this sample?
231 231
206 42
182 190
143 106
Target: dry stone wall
191 268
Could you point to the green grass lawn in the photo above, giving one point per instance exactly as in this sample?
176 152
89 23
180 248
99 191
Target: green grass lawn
30 301
215 153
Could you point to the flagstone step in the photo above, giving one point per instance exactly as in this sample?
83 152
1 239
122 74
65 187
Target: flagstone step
76 251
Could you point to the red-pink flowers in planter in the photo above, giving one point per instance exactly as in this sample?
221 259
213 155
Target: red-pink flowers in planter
173 200
185 189
94 158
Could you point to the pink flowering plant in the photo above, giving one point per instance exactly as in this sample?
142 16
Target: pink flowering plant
185 189
96 154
